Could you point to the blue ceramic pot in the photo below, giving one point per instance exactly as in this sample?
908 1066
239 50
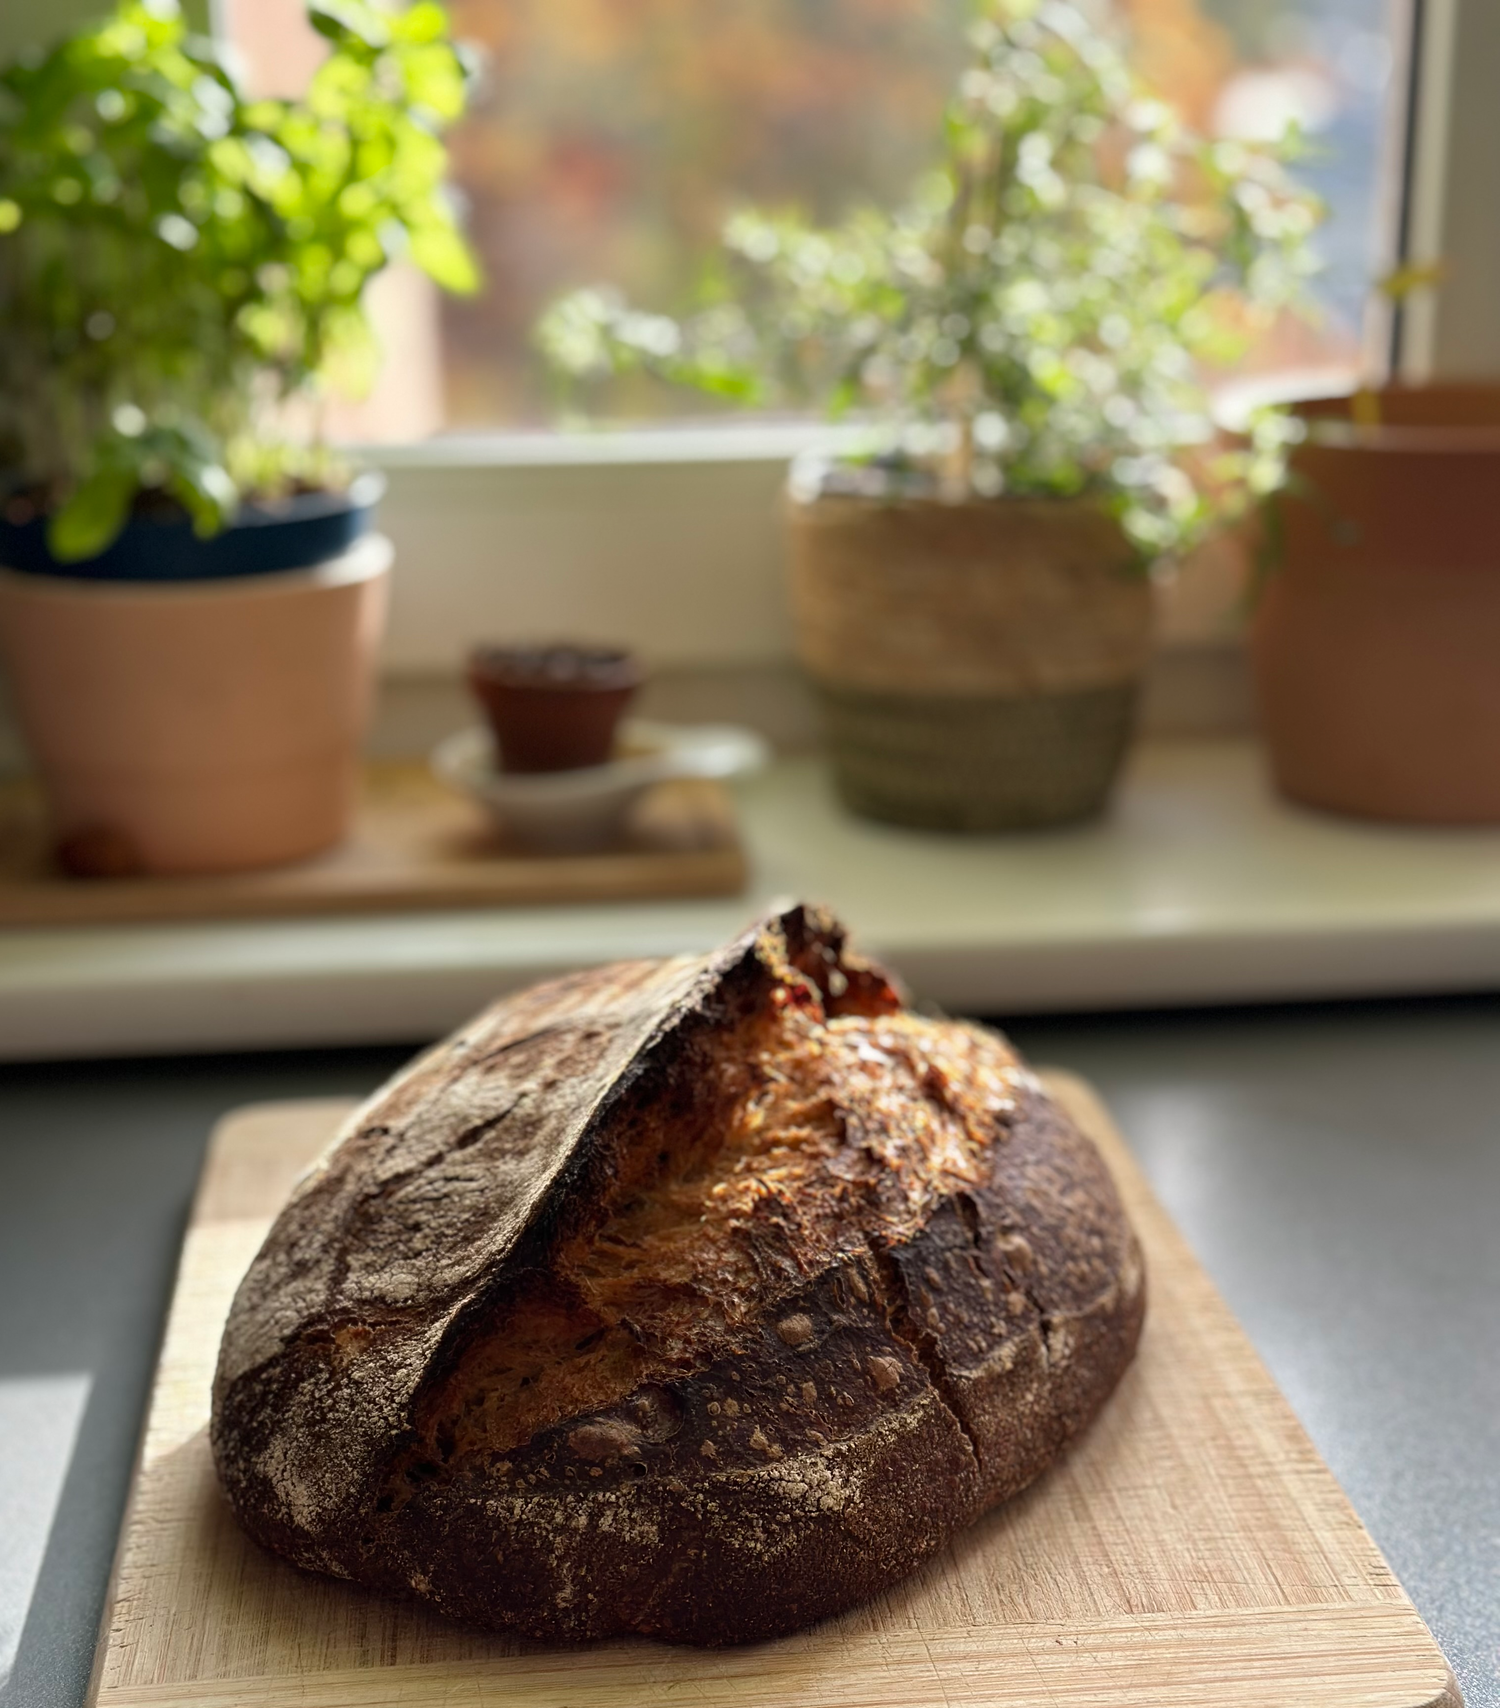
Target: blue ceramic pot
290 533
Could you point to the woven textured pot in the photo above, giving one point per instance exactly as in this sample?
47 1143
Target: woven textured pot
977 663
1376 644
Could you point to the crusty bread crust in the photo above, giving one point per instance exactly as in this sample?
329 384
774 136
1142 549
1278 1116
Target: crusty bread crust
699 1298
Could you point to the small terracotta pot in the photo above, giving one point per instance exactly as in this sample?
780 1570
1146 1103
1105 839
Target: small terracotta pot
197 727
553 708
1376 643
977 663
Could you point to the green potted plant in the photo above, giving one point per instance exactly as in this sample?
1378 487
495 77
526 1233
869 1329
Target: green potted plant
1025 344
191 599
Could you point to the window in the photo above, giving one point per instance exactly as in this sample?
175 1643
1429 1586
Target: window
610 137
1330 67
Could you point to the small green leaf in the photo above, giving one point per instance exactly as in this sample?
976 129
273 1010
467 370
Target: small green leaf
425 21
443 255
207 493
92 518
340 19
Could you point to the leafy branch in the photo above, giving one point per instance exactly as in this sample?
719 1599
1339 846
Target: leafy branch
176 260
1036 320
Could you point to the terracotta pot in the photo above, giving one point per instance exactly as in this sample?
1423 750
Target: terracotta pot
200 726
977 663
553 708
1376 643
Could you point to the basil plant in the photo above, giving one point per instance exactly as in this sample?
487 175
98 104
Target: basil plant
177 260
1040 318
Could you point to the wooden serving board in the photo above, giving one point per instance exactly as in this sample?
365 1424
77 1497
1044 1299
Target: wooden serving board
1192 1551
416 844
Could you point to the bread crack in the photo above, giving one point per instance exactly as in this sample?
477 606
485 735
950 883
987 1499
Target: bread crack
919 1341
784 1146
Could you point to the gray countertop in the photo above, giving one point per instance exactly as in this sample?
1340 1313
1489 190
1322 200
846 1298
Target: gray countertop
1336 1168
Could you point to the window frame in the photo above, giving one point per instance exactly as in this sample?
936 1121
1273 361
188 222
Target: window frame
1451 215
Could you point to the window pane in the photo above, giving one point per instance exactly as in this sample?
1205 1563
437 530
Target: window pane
610 138
1330 66
613 136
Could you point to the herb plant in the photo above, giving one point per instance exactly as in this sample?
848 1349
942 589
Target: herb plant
1037 321
177 260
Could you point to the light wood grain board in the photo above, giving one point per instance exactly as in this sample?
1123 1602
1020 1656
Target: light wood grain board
1192 1551
415 844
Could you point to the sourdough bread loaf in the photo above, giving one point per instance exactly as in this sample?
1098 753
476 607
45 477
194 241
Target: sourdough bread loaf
700 1298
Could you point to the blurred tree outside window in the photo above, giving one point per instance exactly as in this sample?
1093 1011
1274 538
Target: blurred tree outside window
609 139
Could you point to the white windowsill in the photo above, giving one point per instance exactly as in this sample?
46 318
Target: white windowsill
724 438
1199 887
713 440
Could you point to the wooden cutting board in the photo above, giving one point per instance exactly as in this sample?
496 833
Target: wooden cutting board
415 844
1192 1551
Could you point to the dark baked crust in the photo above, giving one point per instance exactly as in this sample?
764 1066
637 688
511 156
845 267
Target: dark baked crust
734 1420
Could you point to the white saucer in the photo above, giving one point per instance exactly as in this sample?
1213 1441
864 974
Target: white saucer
573 811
